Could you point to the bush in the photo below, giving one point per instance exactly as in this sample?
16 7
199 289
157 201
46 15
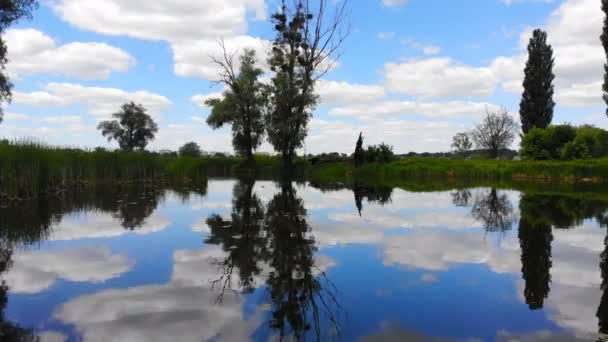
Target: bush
190 149
565 142
590 142
382 153
547 143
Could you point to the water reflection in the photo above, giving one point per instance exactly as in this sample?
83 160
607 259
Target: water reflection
9 331
260 273
494 210
301 297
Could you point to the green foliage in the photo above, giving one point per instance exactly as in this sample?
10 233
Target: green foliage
10 12
242 105
291 93
604 39
359 156
382 153
536 107
565 142
133 129
546 144
190 149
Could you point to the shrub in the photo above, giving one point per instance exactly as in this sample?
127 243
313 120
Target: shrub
544 144
382 153
565 142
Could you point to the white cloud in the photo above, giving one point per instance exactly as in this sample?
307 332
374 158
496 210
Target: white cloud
386 35
343 93
579 57
427 49
450 109
394 3
15 117
34 272
200 99
99 225
100 101
168 20
31 51
439 78
194 58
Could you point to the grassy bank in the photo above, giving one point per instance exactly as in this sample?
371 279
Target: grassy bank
463 171
28 170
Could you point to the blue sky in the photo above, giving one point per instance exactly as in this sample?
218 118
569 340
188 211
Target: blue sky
412 73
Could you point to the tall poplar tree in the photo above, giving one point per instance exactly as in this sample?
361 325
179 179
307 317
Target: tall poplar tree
536 107
604 39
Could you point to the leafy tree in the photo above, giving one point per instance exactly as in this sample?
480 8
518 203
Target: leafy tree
543 144
133 129
10 12
382 153
536 107
495 133
190 149
604 39
461 143
242 105
359 155
301 53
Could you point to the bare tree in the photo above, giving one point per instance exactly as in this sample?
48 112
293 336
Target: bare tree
461 143
496 132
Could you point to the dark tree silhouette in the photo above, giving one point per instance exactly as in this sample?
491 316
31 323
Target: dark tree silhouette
243 103
602 310
461 197
378 194
495 133
133 129
298 289
604 39
10 12
535 238
494 211
536 107
241 238
8 330
190 149
302 51
359 156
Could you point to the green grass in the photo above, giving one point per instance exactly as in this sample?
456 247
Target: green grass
28 170
470 170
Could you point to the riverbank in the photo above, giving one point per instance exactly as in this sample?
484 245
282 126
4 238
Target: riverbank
459 170
31 170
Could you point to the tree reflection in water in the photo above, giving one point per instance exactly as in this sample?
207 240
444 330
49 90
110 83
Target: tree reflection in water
494 210
301 297
379 194
242 238
602 310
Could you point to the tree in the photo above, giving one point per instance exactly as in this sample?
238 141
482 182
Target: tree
301 53
495 133
536 107
243 103
359 155
604 39
461 143
190 149
133 129
10 12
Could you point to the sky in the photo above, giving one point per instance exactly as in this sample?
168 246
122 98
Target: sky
412 73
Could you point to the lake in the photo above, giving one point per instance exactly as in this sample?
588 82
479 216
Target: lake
237 260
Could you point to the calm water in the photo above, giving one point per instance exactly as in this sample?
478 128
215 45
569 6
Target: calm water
243 260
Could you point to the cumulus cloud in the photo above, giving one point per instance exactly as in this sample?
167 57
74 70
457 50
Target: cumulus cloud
31 51
579 58
34 272
439 78
100 101
343 93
